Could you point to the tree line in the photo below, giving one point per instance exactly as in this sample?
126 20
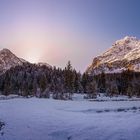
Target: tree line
42 81
113 84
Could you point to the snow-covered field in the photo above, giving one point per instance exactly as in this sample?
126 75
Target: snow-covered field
48 119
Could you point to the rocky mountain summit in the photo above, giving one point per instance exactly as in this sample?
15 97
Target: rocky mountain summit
124 54
8 60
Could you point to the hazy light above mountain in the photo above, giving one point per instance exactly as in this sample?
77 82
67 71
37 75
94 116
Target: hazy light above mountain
57 31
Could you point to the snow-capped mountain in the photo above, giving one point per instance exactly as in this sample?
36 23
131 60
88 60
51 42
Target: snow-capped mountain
124 54
8 60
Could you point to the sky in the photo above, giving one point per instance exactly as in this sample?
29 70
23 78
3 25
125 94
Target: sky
55 31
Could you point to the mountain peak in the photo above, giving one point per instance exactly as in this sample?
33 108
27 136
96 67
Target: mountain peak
120 56
8 60
5 50
129 38
126 40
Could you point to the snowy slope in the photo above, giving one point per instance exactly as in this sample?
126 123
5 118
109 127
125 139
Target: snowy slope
47 119
124 54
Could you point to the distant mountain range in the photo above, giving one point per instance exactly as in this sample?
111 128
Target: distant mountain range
124 54
8 60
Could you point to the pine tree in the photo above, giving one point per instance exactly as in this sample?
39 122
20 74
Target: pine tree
77 82
102 83
92 89
85 81
42 82
69 78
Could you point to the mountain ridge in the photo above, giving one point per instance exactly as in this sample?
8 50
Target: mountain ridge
9 59
124 54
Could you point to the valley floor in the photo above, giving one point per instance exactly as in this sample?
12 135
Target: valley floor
48 119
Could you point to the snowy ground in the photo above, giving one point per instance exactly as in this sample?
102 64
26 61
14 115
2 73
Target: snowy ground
48 119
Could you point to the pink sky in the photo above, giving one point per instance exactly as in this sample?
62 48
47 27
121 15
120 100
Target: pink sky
54 44
55 31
